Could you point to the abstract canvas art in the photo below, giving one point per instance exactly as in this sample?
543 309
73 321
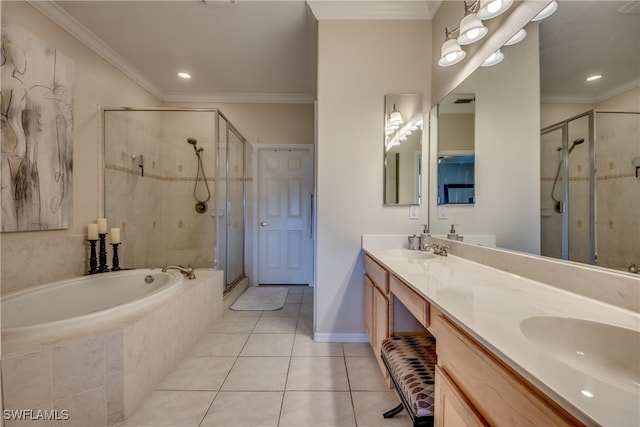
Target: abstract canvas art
37 133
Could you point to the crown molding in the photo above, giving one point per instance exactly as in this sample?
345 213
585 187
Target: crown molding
251 98
80 32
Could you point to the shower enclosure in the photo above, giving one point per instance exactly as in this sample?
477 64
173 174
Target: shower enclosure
174 206
590 189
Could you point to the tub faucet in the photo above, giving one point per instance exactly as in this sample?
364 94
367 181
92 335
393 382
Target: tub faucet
187 271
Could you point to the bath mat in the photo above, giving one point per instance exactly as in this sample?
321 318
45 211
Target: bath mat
261 298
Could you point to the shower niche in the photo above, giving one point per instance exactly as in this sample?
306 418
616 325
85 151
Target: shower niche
184 208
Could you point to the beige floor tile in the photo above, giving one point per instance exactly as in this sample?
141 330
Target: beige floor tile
172 409
296 289
233 325
364 374
305 346
294 298
288 310
370 405
219 345
317 373
231 314
307 298
257 374
244 409
306 310
276 325
305 326
198 373
268 345
357 349
317 409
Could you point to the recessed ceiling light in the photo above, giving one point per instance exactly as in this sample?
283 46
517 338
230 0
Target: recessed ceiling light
594 77
184 75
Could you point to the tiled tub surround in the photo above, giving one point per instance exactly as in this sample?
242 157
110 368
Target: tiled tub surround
489 304
102 375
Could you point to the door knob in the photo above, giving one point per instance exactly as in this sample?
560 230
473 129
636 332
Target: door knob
263 223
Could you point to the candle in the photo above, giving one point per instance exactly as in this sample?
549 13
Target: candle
92 231
115 235
102 225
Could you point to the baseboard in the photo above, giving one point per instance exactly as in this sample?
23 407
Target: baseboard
331 337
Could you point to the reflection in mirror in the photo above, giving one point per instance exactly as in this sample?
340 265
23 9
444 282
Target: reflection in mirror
456 155
403 149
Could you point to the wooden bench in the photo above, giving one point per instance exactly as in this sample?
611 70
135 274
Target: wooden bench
411 362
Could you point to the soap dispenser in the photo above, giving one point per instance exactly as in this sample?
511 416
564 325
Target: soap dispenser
425 238
453 234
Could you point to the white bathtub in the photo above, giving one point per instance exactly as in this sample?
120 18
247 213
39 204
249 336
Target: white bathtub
103 341
78 303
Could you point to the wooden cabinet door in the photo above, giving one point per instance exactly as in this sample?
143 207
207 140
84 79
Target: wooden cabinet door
368 308
380 319
451 407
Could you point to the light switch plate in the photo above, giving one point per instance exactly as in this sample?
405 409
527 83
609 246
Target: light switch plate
413 211
442 212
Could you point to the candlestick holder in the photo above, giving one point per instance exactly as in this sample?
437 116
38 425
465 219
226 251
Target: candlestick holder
103 254
115 261
93 260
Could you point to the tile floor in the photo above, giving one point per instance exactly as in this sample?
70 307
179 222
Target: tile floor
258 368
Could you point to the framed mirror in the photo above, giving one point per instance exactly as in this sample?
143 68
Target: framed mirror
403 149
456 149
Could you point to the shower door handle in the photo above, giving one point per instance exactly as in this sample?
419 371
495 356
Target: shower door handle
263 223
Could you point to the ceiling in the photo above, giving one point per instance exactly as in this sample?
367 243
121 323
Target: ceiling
245 51
265 50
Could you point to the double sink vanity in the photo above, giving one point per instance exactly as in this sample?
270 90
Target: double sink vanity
511 350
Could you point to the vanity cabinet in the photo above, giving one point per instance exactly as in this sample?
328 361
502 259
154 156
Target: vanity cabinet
473 386
377 308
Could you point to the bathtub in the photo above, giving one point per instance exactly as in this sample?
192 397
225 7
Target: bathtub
103 341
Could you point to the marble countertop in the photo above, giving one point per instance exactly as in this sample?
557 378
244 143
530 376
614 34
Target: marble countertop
490 305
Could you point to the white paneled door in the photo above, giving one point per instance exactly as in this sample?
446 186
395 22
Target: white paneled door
285 207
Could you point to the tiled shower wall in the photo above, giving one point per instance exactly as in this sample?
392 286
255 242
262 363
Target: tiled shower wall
617 191
156 212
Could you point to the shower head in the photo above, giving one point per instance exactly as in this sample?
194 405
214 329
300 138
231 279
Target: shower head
192 141
576 142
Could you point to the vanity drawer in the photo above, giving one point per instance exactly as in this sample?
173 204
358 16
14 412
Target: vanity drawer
416 305
501 396
377 274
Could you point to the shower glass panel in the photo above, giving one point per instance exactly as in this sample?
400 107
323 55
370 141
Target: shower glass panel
617 189
152 184
592 216
230 191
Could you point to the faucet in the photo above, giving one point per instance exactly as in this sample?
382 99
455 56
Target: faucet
439 249
187 271
633 269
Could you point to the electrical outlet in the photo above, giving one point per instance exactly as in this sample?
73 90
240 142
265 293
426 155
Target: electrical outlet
442 212
413 211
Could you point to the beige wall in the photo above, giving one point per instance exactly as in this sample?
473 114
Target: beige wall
358 63
31 258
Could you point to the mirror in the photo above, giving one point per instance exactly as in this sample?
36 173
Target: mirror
541 83
456 149
403 149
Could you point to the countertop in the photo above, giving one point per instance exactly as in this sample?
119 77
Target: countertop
490 305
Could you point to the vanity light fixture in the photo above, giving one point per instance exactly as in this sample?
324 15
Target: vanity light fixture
451 52
493 59
546 12
594 77
395 118
471 27
492 8
184 75
517 37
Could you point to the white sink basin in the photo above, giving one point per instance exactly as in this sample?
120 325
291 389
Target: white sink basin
408 254
607 352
